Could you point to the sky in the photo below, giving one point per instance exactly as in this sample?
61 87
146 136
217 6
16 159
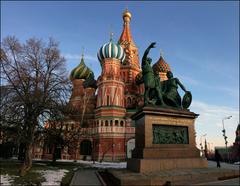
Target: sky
199 40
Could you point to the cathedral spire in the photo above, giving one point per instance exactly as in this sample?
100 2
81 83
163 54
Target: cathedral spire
126 36
111 36
82 59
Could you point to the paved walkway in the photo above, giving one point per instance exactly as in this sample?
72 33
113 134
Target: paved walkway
88 177
85 177
234 181
223 165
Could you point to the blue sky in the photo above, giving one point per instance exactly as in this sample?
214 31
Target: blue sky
200 41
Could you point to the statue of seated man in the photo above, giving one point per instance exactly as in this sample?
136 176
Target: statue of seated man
171 96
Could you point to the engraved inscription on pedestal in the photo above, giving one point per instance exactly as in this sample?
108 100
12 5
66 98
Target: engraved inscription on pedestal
169 134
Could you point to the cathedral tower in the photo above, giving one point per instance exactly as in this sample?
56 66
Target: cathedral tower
110 111
83 98
130 66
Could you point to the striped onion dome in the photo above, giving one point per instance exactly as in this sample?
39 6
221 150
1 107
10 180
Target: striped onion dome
161 66
81 71
111 50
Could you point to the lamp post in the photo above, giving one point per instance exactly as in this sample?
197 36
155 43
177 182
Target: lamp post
201 144
224 135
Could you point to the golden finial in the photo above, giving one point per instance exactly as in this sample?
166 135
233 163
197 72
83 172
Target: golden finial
126 13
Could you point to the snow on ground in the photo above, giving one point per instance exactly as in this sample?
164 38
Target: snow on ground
5 180
53 177
116 165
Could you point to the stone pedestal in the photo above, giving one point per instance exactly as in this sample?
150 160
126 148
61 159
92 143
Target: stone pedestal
165 140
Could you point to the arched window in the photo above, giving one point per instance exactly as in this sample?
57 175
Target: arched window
86 147
108 100
101 123
111 123
129 101
116 122
134 101
121 123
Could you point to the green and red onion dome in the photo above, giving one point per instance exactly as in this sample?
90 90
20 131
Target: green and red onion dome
111 50
81 71
161 66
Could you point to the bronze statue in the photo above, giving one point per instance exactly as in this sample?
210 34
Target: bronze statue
154 93
170 94
151 81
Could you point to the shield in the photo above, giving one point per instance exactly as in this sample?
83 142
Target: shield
187 99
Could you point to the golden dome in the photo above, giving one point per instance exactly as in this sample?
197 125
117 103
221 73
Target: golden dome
126 13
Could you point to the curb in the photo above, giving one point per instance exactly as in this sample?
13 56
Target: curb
71 183
100 178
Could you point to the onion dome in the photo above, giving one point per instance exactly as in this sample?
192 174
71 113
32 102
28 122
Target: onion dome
161 66
81 71
111 50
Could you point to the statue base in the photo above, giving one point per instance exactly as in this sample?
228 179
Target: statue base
165 140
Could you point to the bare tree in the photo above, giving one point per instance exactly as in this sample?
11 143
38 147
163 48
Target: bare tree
58 132
36 73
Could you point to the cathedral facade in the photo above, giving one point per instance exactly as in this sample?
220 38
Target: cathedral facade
107 106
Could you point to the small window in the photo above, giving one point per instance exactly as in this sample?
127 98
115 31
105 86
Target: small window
108 100
106 123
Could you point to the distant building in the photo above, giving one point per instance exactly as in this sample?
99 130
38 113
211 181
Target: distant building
234 150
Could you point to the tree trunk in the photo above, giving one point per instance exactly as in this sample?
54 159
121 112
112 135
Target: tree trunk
27 162
54 156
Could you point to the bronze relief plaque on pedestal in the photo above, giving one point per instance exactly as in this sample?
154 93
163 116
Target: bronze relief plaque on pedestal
170 134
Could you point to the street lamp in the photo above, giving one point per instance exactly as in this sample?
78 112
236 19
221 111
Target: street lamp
224 134
201 144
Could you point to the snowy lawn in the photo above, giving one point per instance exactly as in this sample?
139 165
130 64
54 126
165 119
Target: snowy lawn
41 173
6 179
53 177
104 165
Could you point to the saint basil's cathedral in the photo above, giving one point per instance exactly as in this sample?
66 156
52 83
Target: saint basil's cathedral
109 103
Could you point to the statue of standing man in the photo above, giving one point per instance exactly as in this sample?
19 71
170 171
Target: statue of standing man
151 81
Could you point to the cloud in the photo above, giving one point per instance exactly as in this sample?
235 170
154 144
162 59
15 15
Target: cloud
187 79
78 57
210 122
233 92
209 64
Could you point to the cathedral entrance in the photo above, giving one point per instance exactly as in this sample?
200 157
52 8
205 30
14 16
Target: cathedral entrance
86 149
130 147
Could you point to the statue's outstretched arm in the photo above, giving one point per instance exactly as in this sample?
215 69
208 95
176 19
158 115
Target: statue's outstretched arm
181 85
144 58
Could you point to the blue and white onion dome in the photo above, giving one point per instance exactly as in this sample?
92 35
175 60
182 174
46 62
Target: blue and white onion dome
111 50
